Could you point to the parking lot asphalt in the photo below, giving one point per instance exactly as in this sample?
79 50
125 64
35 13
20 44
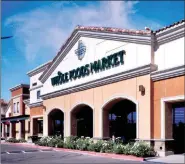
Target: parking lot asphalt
11 154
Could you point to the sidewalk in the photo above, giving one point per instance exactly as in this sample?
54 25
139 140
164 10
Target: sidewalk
177 158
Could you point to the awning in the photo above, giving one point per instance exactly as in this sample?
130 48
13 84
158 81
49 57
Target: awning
15 119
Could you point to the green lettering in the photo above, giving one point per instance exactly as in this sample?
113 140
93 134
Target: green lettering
121 53
87 69
71 74
82 71
99 66
92 67
110 60
77 72
104 63
116 61
66 77
53 81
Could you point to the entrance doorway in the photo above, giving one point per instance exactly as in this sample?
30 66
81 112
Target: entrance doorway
82 121
56 122
38 126
179 126
119 119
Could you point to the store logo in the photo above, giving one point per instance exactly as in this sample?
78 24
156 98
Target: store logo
100 65
80 52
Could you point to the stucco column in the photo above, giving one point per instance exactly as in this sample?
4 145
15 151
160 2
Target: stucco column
65 124
31 127
45 125
20 129
11 129
3 130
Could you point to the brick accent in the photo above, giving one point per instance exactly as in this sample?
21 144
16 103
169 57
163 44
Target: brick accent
17 92
35 111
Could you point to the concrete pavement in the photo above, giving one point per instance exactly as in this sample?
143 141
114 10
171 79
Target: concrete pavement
14 154
26 155
176 158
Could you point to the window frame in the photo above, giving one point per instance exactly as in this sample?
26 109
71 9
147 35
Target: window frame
18 107
14 107
38 95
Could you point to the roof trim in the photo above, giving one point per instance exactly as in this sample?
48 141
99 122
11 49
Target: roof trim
36 104
169 26
19 86
107 32
15 118
38 69
26 101
168 73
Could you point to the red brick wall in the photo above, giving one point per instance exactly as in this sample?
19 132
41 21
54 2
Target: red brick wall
36 111
17 92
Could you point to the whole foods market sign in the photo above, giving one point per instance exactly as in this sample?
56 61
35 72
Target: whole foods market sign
105 63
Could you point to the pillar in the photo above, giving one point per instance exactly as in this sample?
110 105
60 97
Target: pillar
31 127
11 129
45 125
20 129
3 130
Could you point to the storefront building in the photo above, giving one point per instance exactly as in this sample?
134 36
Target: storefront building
109 81
16 123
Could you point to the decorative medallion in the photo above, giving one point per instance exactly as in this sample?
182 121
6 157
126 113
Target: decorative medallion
80 52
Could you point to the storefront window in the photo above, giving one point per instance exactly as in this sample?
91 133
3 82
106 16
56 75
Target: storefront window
179 115
40 126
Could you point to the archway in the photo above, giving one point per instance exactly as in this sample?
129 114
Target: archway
119 119
82 121
56 122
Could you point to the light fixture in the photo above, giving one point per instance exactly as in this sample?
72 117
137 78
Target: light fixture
142 89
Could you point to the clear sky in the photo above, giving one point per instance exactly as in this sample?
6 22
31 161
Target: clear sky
40 28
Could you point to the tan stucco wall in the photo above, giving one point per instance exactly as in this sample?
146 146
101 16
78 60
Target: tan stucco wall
27 130
97 97
17 130
162 89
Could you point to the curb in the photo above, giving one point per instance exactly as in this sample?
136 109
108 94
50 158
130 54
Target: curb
109 155
150 158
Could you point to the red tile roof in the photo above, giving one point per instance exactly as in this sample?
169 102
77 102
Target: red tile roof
169 26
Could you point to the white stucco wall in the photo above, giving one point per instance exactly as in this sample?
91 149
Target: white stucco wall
35 79
8 111
34 89
170 54
136 55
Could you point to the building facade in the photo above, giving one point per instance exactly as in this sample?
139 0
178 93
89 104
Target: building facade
16 123
3 107
110 81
